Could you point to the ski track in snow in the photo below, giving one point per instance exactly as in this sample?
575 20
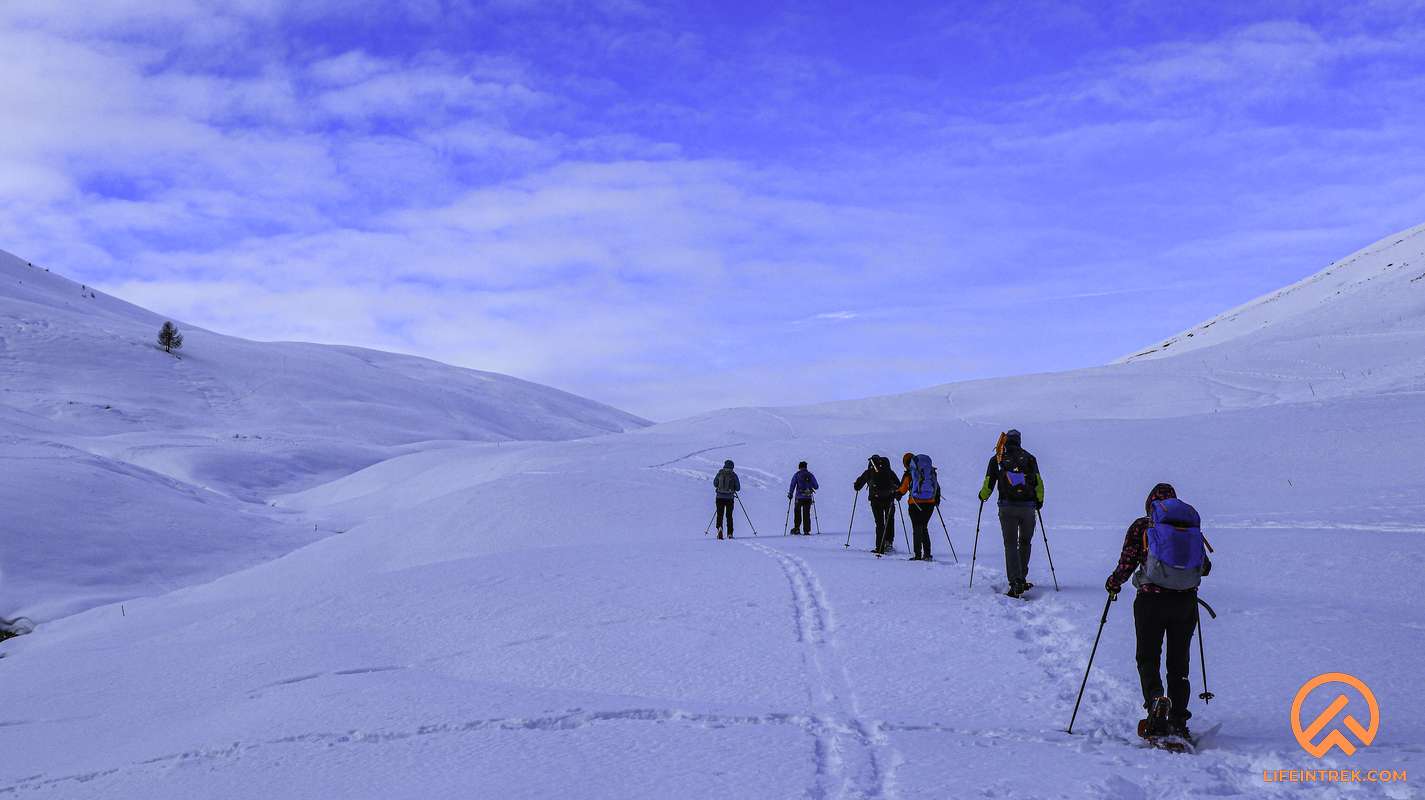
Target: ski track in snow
853 756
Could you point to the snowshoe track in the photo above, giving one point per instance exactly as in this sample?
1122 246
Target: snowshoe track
854 758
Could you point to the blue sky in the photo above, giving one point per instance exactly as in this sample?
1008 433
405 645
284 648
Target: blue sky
673 207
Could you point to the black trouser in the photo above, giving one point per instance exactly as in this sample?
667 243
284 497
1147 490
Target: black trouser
1017 526
724 509
884 512
1170 615
801 515
920 515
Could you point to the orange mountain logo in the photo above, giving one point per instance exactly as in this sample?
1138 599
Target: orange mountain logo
1307 733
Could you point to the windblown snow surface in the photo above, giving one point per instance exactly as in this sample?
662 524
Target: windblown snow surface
549 619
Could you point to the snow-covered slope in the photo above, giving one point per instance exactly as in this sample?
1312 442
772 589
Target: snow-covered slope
129 470
544 619
1376 292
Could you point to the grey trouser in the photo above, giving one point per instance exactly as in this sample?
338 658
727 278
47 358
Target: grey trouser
1017 525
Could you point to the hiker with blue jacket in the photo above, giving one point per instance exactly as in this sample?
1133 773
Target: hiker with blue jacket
1166 555
1014 472
923 487
726 485
803 491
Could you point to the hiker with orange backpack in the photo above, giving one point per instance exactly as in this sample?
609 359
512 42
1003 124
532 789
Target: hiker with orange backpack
1014 472
923 487
1166 554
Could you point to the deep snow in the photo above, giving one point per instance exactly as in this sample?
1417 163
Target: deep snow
537 619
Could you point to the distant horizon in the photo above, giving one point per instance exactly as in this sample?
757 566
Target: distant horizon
682 208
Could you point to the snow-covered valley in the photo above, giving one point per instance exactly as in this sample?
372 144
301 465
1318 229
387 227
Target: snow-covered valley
429 582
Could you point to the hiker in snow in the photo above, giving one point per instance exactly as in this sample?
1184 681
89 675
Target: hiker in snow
921 483
1166 554
726 484
803 489
1015 473
881 482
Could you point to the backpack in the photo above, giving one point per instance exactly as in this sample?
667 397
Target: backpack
1175 547
726 481
1017 483
924 484
883 480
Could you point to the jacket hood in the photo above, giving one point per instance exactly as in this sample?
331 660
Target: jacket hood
727 464
1163 491
907 458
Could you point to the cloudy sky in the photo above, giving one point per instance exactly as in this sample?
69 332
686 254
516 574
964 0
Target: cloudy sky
673 207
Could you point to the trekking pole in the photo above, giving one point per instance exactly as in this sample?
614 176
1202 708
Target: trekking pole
710 522
855 501
1045 534
1102 621
1206 696
816 516
788 520
745 515
905 532
946 528
976 552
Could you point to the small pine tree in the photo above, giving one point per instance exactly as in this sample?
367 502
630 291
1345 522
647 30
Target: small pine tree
169 338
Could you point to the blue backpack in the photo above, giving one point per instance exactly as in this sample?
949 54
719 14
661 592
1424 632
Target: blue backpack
924 484
1176 550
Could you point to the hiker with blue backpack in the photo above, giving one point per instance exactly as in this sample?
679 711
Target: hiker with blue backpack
803 493
1166 555
1014 472
923 487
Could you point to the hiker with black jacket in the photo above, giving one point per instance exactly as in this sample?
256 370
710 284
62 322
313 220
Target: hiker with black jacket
726 485
1166 604
803 491
1014 471
881 481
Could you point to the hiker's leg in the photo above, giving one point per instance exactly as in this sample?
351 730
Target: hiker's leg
1009 531
1181 621
1026 541
1149 626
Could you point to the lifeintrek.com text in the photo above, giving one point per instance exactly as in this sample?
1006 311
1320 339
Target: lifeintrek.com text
1333 776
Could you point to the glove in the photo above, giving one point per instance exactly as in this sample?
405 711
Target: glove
1112 589
1038 505
984 495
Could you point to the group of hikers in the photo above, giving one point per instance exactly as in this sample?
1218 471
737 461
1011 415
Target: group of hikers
1164 553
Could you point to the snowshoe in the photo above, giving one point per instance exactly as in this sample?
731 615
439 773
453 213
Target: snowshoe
1161 732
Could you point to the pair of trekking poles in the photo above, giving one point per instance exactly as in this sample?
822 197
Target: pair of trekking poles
787 522
1205 696
855 501
736 498
1042 531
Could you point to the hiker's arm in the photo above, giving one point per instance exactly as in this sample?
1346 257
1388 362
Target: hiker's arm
862 481
904 488
1129 558
988 487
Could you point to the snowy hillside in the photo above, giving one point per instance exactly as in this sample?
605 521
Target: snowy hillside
112 447
1377 292
548 619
